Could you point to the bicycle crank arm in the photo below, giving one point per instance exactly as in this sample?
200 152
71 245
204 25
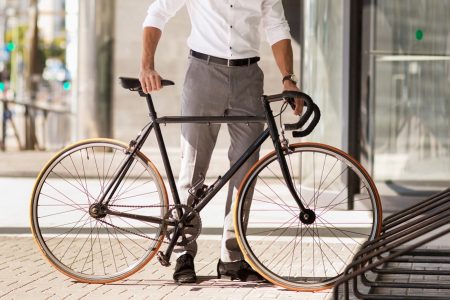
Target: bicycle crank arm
164 258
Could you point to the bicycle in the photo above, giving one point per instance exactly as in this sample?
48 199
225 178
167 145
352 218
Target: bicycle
100 210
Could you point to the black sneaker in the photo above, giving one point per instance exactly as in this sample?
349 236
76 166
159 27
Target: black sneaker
240 270
184 270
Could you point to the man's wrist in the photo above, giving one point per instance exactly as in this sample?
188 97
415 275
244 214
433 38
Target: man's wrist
290 78
147 69
288 84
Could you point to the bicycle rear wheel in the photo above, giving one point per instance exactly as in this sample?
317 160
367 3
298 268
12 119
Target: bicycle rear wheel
285 250
106 248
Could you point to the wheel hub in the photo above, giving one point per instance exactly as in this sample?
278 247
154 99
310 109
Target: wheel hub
97 211
307 217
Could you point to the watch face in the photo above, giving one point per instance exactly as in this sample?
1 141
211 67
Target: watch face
294 78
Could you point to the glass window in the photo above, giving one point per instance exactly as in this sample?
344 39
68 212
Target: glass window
38 70
322 75
410 79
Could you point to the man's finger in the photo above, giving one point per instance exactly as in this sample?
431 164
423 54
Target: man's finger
148 85
158 82
298 106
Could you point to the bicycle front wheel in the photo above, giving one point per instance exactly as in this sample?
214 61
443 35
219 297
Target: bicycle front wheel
104 248
288 251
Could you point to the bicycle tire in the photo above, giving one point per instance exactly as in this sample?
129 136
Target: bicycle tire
97 250
267 223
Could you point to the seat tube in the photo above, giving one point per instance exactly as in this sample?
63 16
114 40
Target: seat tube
163 151
279 150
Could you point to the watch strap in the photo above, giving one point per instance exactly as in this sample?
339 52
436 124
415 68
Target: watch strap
290 77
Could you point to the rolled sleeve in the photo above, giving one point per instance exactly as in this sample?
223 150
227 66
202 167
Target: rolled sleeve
161 11
274 22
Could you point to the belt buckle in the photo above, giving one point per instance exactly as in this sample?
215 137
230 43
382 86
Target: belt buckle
228 63
248 62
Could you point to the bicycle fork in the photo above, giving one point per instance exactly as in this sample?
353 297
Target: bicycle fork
307 216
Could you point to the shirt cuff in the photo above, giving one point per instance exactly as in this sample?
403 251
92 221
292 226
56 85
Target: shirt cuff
154 21
278 33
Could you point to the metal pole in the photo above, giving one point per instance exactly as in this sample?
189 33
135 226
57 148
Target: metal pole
31 72
96 19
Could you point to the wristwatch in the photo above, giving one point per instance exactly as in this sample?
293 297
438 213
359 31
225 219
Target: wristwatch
290 77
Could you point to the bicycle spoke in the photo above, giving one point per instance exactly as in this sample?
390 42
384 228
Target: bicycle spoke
337 204
281 180
79 180
323 253
283 231
58 213
332 182
293 249
79 206
126 178
320 181
67 233
132 183
98 172
283 208
344 231
62 194
279 263
112 249
278 196
324 180
121 232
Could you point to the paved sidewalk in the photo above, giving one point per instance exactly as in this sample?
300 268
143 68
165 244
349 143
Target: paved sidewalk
25 274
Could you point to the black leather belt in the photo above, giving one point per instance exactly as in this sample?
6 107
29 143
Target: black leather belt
225 62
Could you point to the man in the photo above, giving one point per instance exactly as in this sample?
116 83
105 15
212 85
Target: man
223 78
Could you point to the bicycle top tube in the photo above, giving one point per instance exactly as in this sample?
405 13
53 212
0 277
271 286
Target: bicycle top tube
133 84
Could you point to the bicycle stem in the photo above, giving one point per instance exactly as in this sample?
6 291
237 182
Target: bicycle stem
279 150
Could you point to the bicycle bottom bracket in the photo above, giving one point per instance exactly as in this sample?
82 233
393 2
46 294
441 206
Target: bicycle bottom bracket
189 230
307 217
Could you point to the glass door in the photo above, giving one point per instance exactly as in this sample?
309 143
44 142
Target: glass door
408 91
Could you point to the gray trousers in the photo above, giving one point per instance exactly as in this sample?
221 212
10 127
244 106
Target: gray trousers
217 90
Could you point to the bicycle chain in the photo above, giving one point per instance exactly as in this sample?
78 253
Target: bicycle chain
135 233
129 231
141 206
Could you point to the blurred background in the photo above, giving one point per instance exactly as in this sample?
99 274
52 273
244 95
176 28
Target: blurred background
378 69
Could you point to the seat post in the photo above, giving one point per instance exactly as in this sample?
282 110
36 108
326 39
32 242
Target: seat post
151 107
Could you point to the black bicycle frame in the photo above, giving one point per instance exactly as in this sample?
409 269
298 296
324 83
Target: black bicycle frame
137 144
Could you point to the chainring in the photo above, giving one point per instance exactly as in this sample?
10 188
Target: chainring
190 230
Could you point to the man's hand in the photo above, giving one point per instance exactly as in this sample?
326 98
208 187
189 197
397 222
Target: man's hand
149 78
290 86
150 81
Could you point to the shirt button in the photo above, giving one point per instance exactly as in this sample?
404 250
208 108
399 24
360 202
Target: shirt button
231 26
231 5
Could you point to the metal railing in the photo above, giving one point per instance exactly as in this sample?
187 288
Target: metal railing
405 248
27 135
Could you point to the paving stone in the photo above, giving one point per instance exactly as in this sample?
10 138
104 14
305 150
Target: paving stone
25 274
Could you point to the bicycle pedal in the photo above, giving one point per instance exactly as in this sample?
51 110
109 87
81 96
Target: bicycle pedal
163 259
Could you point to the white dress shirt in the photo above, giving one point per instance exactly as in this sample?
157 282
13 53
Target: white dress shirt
225 28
